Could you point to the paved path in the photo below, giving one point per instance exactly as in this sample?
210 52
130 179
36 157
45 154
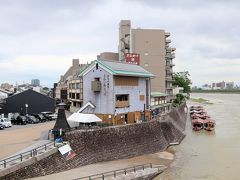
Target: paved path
161 158
22 137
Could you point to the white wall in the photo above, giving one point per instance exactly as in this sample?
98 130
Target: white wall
103 100
134 93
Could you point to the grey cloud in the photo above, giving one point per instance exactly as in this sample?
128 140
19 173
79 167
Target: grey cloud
204 32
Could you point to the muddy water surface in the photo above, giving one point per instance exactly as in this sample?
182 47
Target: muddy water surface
210 155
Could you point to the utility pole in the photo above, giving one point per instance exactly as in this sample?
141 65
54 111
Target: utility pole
144 112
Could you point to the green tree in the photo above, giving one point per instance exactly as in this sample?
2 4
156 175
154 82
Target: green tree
179 100
182 79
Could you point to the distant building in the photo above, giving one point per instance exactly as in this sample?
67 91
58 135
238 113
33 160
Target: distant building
35 82
206 87
229 85
7 86
219 85
28 102
61 90
120 92
4 94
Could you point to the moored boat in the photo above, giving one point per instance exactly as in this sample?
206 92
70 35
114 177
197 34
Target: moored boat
200 119
197 124
209 124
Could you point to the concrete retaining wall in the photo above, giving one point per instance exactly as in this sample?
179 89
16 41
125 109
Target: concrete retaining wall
111 143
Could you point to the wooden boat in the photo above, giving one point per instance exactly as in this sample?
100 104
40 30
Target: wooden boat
197 124
209 124
202 116
197 112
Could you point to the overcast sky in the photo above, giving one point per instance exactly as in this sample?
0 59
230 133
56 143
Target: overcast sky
39 38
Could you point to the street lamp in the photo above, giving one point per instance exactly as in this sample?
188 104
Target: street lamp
26 106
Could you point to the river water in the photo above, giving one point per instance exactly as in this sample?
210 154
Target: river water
210 155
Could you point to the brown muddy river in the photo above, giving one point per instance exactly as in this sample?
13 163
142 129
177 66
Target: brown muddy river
210 155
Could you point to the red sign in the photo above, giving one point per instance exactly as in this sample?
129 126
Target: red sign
132 58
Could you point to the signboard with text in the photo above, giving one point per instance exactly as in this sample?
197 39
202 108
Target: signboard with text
132 58
67 152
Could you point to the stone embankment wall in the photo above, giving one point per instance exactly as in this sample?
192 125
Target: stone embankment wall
111 143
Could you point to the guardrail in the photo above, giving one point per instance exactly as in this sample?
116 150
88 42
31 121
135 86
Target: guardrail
124 171
25 155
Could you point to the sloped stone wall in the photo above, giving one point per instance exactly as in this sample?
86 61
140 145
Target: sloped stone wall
111 143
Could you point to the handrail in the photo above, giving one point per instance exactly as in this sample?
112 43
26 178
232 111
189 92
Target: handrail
121 171
21 156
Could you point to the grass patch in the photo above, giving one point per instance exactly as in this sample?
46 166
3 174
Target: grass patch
200 100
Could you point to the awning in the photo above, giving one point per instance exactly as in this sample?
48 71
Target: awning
77 118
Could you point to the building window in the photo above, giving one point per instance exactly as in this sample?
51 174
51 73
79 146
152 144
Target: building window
122 97
73 95
122 100
70 95
152 101
70 85
74 104
97 66
96 79
77 96
77 85
74 86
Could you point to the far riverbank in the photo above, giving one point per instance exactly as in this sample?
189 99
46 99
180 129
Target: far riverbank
220 91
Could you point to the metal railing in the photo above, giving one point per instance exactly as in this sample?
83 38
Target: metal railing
26 155
124 171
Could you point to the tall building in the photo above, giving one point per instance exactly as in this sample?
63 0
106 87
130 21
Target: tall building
151 46
35 82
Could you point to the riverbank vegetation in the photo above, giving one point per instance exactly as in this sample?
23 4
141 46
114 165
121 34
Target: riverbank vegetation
226 91
200 100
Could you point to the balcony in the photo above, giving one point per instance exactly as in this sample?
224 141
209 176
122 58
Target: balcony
169 50
122 104
170 55
168 41
170 64
169 87
167 34
169 72
169 78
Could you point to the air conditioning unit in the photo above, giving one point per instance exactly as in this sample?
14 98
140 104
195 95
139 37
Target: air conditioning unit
96 86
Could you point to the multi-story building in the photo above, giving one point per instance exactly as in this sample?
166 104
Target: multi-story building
61 90
120 92
35 82
156 55
75 93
